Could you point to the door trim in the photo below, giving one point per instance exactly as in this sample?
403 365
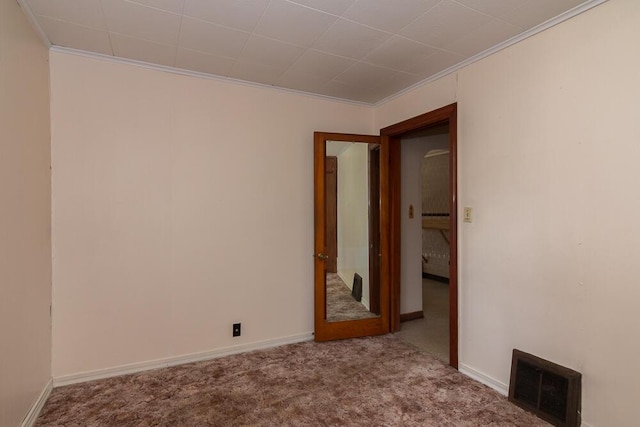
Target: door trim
375 250
391 138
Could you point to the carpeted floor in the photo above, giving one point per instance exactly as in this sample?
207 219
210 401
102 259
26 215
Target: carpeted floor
340 303
376 381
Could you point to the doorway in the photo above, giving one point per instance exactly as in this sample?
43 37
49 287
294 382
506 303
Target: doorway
387 149
424 288
393 136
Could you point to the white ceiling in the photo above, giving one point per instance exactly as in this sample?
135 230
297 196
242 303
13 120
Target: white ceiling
360 50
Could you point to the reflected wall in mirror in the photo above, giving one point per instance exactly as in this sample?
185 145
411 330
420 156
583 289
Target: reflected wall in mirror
352 230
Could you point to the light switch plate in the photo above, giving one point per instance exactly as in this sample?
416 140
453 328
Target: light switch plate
468 214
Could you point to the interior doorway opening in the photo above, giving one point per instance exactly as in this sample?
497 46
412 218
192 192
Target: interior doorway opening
425 236
389 226
395 137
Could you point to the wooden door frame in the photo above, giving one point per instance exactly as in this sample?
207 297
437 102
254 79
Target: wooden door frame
391 137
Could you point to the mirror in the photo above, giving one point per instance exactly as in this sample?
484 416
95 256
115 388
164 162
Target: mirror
352 230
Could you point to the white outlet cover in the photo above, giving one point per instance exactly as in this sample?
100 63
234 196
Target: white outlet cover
468 214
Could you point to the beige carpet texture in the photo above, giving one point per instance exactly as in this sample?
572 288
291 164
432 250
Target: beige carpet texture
340 304
377 381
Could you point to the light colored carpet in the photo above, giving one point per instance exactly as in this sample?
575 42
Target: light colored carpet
430 334
340 303
377 381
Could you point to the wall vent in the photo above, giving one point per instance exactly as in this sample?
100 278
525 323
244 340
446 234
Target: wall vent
550 391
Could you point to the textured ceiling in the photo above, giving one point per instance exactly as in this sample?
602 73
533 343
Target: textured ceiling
360 50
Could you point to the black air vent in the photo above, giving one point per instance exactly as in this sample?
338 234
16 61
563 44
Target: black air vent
550 391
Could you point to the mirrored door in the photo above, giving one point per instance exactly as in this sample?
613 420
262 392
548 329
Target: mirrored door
351 267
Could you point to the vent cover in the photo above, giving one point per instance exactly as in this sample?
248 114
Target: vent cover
550 391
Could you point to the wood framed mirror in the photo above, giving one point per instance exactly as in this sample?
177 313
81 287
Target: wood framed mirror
351 273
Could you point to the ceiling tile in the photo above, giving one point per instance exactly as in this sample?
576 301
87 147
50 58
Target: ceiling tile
484 37
321 64
445 23
365 75
87 13
142 50
336 7
134 20
75 36
270 52
293 23
388 15
210 38
440 62
399 81
174 6
376 94
381 83
255 72
349 39
391 85
346 91
363 50
404 79
495 8
402 54
302 81
243 14
535 12
205 63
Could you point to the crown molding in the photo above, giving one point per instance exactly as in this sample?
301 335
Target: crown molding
516 39
198 74
500 46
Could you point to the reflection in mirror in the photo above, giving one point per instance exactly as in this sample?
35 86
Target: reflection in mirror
352 185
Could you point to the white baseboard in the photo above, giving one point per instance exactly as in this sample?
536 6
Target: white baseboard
177 360
32 415
344 279
485 379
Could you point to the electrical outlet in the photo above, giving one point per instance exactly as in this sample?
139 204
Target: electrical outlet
237 329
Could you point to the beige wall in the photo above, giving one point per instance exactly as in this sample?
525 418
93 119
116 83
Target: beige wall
180 206
548 149
25 216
